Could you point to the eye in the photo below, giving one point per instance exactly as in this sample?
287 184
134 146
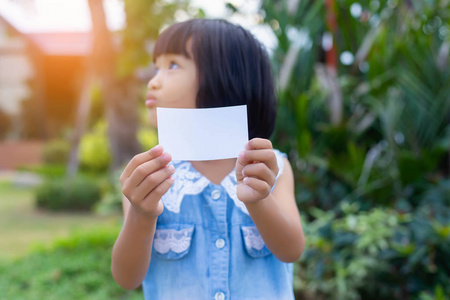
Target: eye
173 65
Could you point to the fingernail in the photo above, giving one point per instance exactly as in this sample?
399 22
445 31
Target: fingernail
166 156
245 180
241 155
157 148
171 180
171 169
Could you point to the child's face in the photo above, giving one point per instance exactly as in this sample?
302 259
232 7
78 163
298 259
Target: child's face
175 84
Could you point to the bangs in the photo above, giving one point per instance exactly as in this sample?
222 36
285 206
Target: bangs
173 40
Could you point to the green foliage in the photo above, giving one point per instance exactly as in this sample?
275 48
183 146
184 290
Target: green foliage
148 138
392 102
375 133
144 22
112 200
97 110
75 268
376 254
63 194
342 251
47 171
94 152
56 152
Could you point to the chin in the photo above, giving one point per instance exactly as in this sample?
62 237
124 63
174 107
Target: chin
153 119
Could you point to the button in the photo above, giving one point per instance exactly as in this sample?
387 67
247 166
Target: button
215 194
219 296
220 243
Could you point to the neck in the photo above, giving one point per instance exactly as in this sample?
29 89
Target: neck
215 170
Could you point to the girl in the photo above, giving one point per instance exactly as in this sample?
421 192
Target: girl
222 229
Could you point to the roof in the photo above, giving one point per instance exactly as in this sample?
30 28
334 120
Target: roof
63 43
58 27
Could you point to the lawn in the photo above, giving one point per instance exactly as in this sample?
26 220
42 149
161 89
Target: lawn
23 226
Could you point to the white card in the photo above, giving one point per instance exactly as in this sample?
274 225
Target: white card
203 133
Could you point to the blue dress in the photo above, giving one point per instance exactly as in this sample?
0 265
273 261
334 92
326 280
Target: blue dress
206 246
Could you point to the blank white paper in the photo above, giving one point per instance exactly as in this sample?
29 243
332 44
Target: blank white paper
203 133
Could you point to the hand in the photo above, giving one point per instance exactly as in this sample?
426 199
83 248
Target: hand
256 170
146 178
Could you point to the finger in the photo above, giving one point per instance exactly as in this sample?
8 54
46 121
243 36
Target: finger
147 168
139 159
258 143
261 188
259 171
151 182
266 156
156 194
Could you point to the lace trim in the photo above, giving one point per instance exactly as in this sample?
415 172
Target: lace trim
187 183
229 184
166 240
252 238
190 182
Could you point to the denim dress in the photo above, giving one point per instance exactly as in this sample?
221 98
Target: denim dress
206 246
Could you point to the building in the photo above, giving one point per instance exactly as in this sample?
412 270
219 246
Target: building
43 53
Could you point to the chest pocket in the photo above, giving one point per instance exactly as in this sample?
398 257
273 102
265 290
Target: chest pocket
254 244
174 241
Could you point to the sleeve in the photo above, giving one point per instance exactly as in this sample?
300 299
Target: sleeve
280 162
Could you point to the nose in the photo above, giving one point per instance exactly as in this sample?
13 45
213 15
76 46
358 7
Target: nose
155 82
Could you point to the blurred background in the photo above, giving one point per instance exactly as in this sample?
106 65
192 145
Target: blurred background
363 113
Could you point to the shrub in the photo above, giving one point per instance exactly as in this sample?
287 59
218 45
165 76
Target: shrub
48 171
112 195
72 268
342 251
378 254
94 152
56 152
79 194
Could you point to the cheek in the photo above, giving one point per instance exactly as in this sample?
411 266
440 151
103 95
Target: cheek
193 91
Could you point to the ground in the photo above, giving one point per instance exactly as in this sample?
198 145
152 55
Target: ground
22 225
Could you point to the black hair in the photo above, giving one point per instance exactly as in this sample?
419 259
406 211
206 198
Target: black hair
233 68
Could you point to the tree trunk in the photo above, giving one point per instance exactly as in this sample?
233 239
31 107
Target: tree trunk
119 94
84 107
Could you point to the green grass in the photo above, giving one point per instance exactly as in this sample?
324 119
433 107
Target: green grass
23 226
47 255
70 268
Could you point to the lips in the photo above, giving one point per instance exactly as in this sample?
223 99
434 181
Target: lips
150 100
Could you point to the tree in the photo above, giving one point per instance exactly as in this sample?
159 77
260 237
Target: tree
114 69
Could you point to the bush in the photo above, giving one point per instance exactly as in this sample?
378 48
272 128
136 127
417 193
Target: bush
79 194
112 195
75 268
378 254
46 170
94 152
56 152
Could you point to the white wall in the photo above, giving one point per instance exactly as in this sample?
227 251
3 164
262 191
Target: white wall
15 69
